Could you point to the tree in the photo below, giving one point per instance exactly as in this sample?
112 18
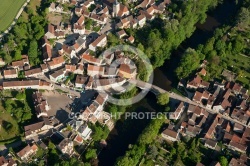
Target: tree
17 55
33 52
91 153
21 96
190 61
163 99
223 161
7 58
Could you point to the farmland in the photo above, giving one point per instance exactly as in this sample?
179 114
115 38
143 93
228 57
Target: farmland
8 12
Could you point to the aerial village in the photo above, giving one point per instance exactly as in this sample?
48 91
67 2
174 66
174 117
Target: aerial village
68 49
219 115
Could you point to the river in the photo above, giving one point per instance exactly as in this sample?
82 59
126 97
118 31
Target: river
164 77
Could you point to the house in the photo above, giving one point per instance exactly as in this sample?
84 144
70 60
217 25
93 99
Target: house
88 3
145 3
81 20
238 128
7 162
50 34
108 58
94 111
151 10
200 98
242 161
93 70
78 11
92 60
121 34
66 146
35 128
41 105
99 19
101 41
57 75
59 9
79 69
131 39
170 135
55 8
67 50
80 128
79 29
237 146
44 68
31 84
127 71
56 63
19 65
221 105
110 72
197 82
202 72
119 10
2 63
70 68
27 152
52 7
80 44
235 87
10 73
36 72
178 112
209 143
80 81
63 1
141 20
106 84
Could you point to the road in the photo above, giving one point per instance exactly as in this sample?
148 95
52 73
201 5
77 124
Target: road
65 89
157 90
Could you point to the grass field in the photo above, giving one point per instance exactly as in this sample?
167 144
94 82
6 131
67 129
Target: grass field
8 11
14 131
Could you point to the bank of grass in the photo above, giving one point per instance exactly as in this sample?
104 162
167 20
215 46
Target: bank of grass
8 12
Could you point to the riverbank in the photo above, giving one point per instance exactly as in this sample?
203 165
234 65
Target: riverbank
165 76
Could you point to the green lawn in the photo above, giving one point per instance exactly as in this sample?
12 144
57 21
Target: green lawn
6 120
8 11
241 63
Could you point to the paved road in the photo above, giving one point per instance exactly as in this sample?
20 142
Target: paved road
157 90
71 92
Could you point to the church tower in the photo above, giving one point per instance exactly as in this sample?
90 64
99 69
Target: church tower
116 8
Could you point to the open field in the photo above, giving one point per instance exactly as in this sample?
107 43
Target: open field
8 12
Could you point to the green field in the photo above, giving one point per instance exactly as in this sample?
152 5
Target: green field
8 11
